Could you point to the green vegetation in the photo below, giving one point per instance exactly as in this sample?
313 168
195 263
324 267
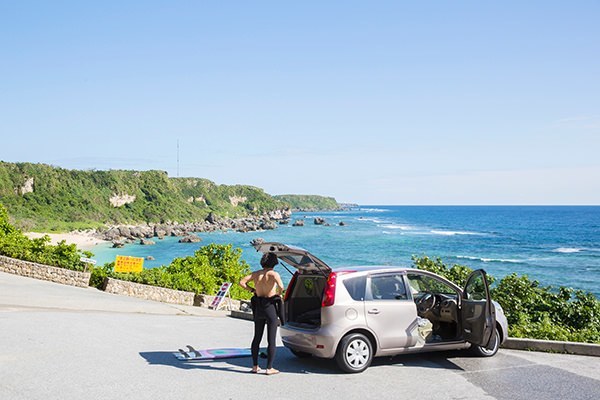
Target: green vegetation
303 202
45 198
534 311
13 243
202 273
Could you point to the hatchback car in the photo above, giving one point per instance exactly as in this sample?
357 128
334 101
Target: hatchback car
353 314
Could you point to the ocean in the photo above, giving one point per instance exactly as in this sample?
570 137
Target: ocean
556 245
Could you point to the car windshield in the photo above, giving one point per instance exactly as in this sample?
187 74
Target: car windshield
426 284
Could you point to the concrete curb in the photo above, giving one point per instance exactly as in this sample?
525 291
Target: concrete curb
241 315
584 349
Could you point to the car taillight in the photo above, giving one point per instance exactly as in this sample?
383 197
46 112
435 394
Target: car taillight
329 294
290 287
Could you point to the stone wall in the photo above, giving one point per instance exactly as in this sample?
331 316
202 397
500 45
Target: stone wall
147 292
44 272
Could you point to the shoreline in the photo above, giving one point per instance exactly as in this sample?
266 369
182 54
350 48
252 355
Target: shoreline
83 240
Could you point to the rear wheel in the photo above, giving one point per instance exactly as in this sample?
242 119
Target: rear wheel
494 345
355 353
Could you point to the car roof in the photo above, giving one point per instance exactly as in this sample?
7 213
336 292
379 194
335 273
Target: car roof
372 268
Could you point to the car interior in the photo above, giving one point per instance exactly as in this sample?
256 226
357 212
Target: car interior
438 303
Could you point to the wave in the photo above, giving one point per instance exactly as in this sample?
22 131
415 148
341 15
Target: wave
567 250
375 220
373 210
452 233
491 260
397 226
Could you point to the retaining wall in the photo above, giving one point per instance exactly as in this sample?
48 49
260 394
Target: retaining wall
44 272
147 292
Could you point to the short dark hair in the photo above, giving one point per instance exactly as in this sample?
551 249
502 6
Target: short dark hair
269 260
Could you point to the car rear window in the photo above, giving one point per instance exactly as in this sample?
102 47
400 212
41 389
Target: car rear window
356 287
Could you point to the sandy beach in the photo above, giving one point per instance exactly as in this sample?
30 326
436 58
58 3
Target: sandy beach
83 240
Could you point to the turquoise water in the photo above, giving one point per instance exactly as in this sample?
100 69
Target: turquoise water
555 245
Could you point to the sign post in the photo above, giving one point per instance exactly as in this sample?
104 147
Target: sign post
223 291
88 262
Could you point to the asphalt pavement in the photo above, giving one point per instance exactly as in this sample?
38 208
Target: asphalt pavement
62 342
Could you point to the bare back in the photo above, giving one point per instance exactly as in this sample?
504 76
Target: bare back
266 282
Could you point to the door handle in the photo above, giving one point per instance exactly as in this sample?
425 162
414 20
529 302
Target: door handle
373 311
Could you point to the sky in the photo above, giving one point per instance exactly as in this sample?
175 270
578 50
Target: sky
371 102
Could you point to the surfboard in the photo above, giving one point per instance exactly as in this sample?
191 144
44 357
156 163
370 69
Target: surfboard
191 354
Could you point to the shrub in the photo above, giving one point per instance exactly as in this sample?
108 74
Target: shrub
202 273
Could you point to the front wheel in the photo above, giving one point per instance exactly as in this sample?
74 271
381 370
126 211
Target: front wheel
494 345
355 353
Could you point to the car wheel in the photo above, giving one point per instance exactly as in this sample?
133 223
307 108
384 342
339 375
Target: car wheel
483 351
300 354
355 353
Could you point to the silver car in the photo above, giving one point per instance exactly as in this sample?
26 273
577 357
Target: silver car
353 314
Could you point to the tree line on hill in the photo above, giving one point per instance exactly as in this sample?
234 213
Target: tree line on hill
46 198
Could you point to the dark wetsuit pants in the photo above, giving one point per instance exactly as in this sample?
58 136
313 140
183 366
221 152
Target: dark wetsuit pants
264 313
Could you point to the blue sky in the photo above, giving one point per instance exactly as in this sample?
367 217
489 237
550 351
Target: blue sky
369 102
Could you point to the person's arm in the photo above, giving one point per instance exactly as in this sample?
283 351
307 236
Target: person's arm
279 283
244 283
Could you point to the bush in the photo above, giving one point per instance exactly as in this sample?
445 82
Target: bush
202 273
13 243
533 311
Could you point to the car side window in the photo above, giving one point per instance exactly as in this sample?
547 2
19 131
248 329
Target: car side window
356 287
388 287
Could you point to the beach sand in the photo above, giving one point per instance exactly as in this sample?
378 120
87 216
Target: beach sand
83 240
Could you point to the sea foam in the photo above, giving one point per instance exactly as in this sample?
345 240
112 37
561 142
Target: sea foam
491 260
567 250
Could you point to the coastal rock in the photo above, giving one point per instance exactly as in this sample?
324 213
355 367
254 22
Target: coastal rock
257 241
285 213
150 258
342 223
298 222
284 222
118 245
211 218
319 221
268 225
190 239
147 242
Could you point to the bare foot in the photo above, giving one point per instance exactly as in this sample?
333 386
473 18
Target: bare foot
272 371
255 370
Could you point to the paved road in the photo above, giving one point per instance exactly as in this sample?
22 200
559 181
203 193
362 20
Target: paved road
60 342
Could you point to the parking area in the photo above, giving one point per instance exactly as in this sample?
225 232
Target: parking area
60 342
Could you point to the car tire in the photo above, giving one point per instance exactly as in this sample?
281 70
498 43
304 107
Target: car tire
300 354
354 353
482 351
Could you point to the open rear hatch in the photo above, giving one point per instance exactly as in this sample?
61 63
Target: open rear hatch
305 291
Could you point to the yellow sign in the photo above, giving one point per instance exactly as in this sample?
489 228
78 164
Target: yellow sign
129 264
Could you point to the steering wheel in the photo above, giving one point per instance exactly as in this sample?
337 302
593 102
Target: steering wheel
426 303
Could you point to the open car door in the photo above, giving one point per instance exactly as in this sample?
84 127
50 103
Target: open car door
477 313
